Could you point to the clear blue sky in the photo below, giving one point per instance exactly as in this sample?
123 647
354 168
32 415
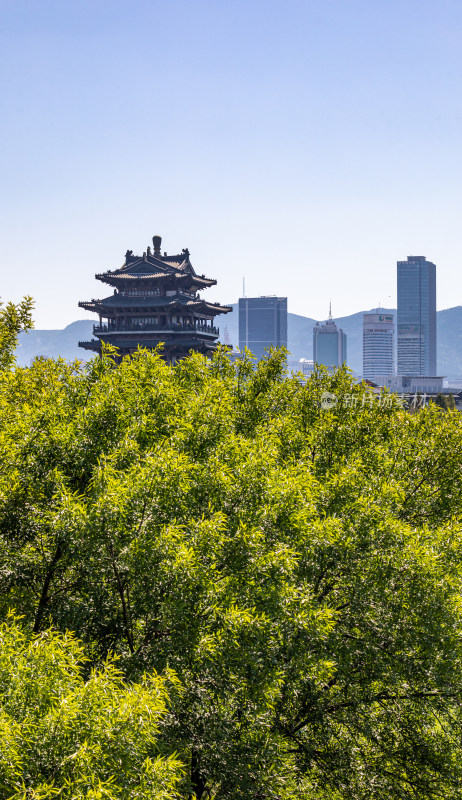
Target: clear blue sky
305 144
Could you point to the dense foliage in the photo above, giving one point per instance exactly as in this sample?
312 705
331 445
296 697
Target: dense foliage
297 568
89 739
14 319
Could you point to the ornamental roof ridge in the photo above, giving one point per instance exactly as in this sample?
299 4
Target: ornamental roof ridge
166 263
144 261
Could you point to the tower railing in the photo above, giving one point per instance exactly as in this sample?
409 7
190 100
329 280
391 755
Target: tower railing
147 327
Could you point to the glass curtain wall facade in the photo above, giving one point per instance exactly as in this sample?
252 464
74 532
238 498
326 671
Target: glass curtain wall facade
378 343
262 323
416 316
329 344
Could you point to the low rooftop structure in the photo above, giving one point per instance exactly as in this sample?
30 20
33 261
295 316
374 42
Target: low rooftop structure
425 384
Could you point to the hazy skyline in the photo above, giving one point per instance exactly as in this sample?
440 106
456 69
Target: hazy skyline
306 145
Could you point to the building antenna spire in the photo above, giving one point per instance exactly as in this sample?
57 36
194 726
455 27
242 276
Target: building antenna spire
243 287
330 309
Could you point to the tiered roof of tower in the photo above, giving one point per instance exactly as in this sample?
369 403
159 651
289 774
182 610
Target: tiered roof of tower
156 299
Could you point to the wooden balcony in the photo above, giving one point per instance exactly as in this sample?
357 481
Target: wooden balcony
209 330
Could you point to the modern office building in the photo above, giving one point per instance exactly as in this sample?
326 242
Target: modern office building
378 343
303 366
416 316
329 344
262 323
306 367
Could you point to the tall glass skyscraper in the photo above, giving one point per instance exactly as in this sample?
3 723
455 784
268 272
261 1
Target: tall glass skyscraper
378 336
329 344
262 323
416 316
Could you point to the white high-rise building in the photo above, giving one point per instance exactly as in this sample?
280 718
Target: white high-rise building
378 345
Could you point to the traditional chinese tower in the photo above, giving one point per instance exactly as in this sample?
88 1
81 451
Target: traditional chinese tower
156 299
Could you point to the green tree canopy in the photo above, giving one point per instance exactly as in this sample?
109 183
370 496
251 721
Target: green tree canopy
63 736
446 402
13 320
297 567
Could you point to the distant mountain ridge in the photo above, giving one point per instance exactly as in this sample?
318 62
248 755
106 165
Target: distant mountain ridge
64 343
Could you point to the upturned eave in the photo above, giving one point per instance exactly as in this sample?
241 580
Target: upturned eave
120 279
